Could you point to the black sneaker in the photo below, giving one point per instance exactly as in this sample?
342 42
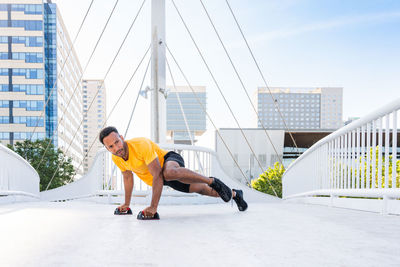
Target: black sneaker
222 189
242 205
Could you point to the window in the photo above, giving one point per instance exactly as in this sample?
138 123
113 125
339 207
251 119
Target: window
32 41
28 25
28 8
28 73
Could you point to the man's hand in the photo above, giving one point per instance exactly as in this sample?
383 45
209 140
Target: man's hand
149 211
123 207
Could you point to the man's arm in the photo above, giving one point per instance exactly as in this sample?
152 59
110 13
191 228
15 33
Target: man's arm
128 186
158 182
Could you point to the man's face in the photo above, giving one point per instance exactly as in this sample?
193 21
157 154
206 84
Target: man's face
115 144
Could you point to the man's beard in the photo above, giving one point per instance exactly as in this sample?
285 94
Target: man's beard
120 153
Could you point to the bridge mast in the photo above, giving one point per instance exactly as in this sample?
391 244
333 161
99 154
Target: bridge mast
158 86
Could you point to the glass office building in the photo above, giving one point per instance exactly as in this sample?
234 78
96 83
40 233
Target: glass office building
50 50
40 90
195 116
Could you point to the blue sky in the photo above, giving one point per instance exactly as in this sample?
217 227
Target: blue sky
351 44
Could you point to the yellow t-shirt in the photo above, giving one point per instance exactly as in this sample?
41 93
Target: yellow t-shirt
142 151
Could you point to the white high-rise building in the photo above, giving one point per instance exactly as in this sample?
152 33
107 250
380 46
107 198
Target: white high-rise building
301 108
94 112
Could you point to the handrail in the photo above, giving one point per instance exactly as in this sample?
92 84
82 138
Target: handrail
17 176
358 160
394 105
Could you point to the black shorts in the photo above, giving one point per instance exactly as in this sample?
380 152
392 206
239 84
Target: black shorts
179 186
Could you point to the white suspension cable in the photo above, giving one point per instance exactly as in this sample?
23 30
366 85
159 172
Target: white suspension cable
130 119
208 115
62 68
112 63
137 98
116 103
262 75
220 91
241 81
184 115
180 104
94 98
78 81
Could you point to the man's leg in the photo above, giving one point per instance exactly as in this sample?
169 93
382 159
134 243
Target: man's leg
198 183
203 189
172 171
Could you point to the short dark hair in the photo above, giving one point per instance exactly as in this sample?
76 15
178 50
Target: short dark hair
106 131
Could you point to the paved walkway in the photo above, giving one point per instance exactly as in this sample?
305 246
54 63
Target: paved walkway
268 234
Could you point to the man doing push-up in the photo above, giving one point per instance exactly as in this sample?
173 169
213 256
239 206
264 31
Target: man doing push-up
157 167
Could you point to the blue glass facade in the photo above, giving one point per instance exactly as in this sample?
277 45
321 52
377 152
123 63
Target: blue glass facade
50 50
29 73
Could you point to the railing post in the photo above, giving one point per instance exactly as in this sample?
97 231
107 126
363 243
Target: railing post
385 202
394 150
380 152
332 200
387 133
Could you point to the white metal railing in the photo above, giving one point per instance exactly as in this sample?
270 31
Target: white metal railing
18 180
105 184
355 161
104 179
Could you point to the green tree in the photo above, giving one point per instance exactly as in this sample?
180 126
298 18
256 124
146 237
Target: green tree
54 161
274 176
390 165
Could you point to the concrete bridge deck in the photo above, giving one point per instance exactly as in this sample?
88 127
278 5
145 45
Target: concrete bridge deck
268 234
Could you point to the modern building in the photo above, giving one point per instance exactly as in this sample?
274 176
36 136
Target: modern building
301 108
39 78
243 155
282 149
94 113
183 128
